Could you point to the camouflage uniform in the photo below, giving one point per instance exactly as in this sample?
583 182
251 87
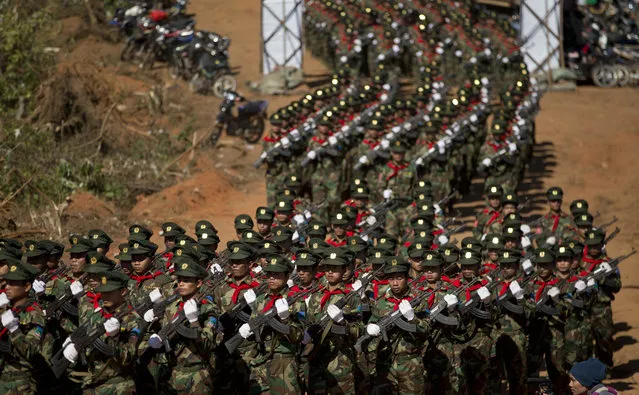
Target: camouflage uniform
142 285
325 180
561 226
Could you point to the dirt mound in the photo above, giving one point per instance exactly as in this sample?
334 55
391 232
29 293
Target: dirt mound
84 211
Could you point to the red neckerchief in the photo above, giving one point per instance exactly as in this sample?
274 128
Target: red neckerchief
376 284
28 309
474 288
398 301
395 169
180 308
94 298
371 144
335 243
496 146
140 279
270 139
543 285
296 203
328 294
318 140
504 286
431 298
271 302
493 217
319 275
592 261
349 203
555 218
488 267
239 288
361 215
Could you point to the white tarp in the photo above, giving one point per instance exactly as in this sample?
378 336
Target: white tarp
540 24
281 34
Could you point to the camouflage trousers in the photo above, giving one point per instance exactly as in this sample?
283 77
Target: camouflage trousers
233 373
277 375
602 331
546 343
577 338
325 188
336 376
509 362
191 381
509 181
14 385
403 373
118 386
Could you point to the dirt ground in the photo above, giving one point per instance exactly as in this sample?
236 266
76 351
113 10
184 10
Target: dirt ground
587 142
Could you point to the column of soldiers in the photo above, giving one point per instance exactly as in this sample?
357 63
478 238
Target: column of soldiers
294 306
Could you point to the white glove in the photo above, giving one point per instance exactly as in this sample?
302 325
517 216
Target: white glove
552 292
245 330
512 147
10 321
363 160
473 60
606 266
407 310
486 162
442 239
516 290
580 285
484 80
38 287
439 50
3 300
438 210
385 143
551 240
216 268
112 326
299 219
591 282
66 341
525 242
70 353
311 155
155 295
373 330
190 310
458 53
155 341
483 293
281 305
387 193
149 316
527 266
77 288
357 285
250 296
257 269
295 237
451 300
525 229
335 313
473 118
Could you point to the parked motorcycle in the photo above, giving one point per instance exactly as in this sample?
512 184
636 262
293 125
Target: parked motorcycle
249 122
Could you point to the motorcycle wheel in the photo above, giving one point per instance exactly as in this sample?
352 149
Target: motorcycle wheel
254 130
604 76
223 83
623 75
198 84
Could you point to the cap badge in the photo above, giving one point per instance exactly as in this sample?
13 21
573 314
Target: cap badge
168 228
104 280
94 260
185 265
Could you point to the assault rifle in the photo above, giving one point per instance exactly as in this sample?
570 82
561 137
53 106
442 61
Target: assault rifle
64 302
5 345
60 271
268 318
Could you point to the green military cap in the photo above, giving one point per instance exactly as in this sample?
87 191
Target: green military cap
554 194
357 244
53 247
203 224
594 237
471 243
8 252
139 232
11 242
284 113
396 264
142 247
421 222
510 232
339 218
37 249
97 263
398 146
576 246
335 256
74 238
544 255
510 198
112 280
99 237
264 214
426 210
277 264
494 241
432 258
269 247
275 119
207 237
188 250
497 129
417 250
206 255
584 220
468 256
377 256
351 213
83 245
494 191
293 181
243 222
305 257
579 206
360 192
449 253
513 219
282 233
387 241
509 255
358 182
186 266
182 240
424 237
316 228
251 237
423 196
239 250
284 206
19 270
325 120
424 185
124 254
375 124
318 245
171 229
30 244
564 250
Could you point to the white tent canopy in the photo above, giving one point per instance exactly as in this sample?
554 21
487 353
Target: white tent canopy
541 34
281 34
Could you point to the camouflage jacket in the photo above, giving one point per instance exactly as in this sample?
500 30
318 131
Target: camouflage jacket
535 290
142 285
317 305
483 221
507 321
561 226
399 178
608 286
